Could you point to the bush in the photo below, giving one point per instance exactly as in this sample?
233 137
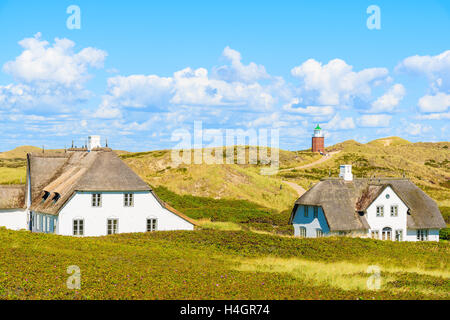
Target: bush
444 234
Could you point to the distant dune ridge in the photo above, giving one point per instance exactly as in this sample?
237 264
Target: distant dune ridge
426 164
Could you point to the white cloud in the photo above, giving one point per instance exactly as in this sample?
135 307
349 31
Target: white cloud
336 83
318 111
274 120
374 120
48 78
436 68
40 63
435 103
238 71
338 123
434 116
388 101
23 97
414 129
194 87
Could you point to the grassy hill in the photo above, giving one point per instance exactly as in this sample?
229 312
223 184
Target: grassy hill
212 264
426 164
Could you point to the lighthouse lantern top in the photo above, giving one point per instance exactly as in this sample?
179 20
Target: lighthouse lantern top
318 132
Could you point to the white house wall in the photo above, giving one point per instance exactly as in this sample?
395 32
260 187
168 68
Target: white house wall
395 223
14 219
131 219
310 223
433 235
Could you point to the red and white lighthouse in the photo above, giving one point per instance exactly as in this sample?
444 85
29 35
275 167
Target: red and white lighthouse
318 140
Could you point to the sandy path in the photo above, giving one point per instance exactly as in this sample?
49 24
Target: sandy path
312 164
296 187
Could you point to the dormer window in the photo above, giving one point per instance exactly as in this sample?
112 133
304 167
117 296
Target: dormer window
45 196
56 197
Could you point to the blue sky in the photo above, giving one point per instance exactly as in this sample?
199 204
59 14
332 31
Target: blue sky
138 71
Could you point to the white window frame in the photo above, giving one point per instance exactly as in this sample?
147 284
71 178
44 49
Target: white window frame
422 234
302 232
380 211
152 223
319 233
128 200
78 227
375 234
394 210
398 235
96 200
113 230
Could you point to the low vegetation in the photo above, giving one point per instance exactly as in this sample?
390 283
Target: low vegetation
216 264
240 213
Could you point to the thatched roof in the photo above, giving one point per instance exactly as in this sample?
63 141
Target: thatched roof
78 170
12 197
343 201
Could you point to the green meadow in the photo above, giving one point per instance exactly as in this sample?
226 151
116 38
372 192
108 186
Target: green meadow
219 264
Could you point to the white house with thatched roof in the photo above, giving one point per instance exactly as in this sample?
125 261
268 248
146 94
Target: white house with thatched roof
86 192
381 208
13 210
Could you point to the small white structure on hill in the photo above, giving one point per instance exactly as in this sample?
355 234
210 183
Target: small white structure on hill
93 142
381 208
85 193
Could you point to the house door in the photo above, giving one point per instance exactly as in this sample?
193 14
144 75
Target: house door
387 234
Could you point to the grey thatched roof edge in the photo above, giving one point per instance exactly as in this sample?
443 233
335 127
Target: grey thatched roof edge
12 197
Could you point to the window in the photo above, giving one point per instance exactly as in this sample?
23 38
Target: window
128 200
152 225
380 211
45 196
319 233
302 232
375 234
306 210
387 196
398 235
394 211
113 226
316 212
56 197
96 200
422 235
78 227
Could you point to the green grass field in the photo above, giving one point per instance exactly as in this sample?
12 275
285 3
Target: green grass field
214 264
